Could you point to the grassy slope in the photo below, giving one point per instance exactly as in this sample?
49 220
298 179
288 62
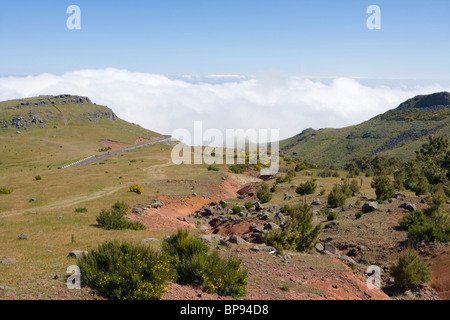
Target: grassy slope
336 146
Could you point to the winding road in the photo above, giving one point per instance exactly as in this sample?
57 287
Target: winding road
94 159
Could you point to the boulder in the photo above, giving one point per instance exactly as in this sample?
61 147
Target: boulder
271 226
258 206
137 210
77 254
23 237
8 260
319 247
157 204
316 202
262 248
280 217
147 240
236 239
330 248
408 206
369 207
331 224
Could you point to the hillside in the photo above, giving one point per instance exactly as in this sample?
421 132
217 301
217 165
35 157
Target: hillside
59 130
398 132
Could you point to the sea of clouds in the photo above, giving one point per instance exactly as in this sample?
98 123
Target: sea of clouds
271 101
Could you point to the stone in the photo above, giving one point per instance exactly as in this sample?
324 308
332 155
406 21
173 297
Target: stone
258 206
157 204
147 240
330 248
137 210
347 260
331 224
8 260
5 288
316 202
181 218
280 217
33 200
77 254
271 226
369 207
23 237
236 239
319 247
262 248
408 206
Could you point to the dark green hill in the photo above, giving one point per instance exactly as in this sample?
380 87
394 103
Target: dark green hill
398 132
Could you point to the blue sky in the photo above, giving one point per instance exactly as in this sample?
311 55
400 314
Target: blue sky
248 37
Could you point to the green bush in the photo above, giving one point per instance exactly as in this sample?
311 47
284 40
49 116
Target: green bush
299 234
80 210
309 187
421 227
384 189
354 187
114 219
126 271
339 195
236 209
136 188
4 190
331 216
211 168
358 215
37 178
196 266
248 205
410 271
264 195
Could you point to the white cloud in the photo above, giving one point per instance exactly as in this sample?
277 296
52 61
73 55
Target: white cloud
164 104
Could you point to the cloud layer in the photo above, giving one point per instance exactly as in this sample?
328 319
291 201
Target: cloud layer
163 104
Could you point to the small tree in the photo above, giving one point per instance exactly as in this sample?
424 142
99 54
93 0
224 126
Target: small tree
264 195
338 195
299 234
384 189
410 271
309 187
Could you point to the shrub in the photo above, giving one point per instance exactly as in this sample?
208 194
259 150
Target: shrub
37 178
183 247
299 234
126 271
81 210
136 188
248 205
338 195
236 209
264 194
211 168
223 204
358 215
331 216
410 271
421 227
195 266
238 168
114 219
217 275
384 189
309 187
354 187
274 188
4 190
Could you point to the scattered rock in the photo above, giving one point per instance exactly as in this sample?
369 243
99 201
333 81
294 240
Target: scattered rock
331 224
77 254
316 202
137 210
262 248
147 240
8 260
330 248
236 239
408 206
319 247
181 218
271 226
369 207
23 237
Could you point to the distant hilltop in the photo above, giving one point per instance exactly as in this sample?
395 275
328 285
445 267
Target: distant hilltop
37 111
